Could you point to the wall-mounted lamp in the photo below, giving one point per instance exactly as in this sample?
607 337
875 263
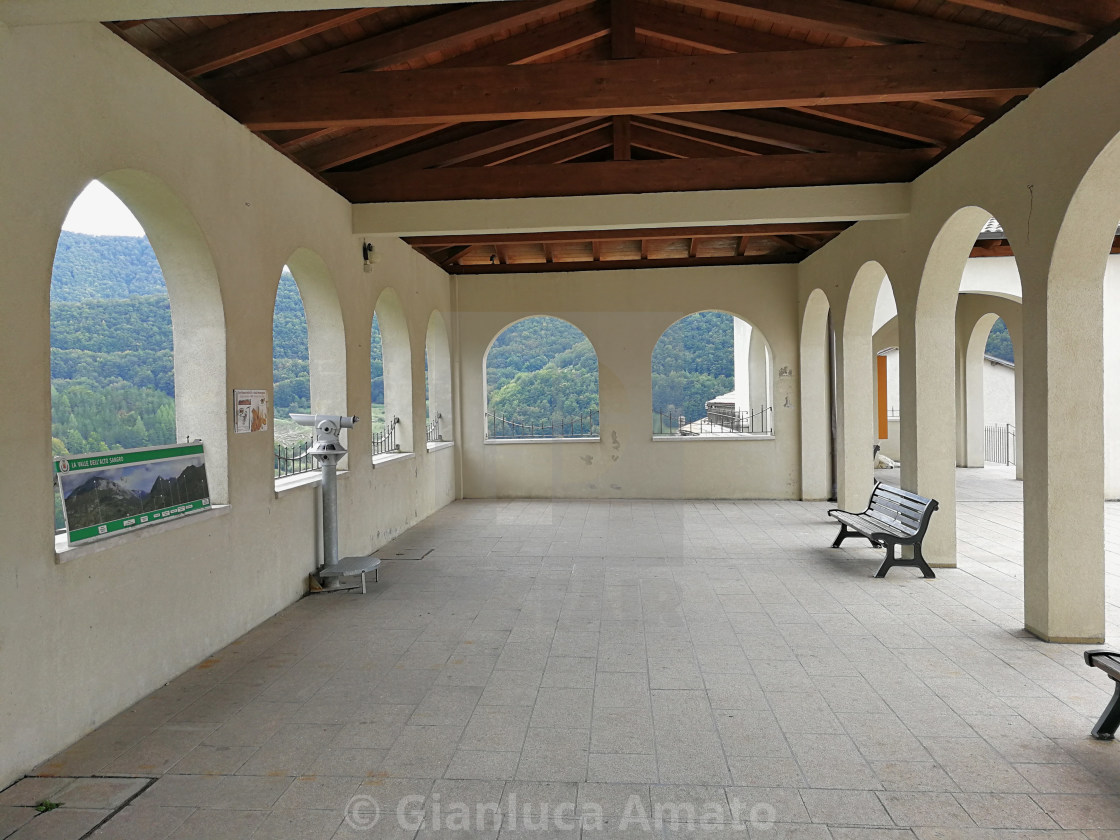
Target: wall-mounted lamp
369 257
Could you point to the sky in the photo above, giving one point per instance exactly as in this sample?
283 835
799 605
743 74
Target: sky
98 211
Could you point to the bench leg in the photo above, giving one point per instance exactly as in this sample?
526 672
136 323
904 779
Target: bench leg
1110 717
921 563
918 561
888 563
845 533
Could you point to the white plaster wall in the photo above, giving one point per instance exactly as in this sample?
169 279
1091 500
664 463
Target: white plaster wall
81 640
1112 378
999 394
623 314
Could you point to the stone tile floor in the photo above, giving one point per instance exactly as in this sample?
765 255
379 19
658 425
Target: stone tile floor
659 668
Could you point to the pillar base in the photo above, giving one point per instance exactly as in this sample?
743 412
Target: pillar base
1065 640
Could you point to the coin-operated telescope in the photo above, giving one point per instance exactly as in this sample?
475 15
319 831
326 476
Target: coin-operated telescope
328 450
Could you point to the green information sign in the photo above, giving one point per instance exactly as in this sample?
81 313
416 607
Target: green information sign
106 492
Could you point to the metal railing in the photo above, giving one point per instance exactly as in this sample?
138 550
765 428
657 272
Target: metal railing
433 433
385 441
760 422
502 428
293 460
999 444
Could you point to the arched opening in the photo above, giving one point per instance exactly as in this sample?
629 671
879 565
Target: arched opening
437 369
309 359
817 354
862 401
395 350
541 381
712 374
137 327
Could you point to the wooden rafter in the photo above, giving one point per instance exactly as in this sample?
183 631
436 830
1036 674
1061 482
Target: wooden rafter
575 147
690 131
872 24
538 43
484 143
518 151
638 86
364 141
446 31
893 119
751 128
708 34
251 35
721 232
1071 15
622 264
677 145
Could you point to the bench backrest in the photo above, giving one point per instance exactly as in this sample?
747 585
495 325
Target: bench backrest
901 509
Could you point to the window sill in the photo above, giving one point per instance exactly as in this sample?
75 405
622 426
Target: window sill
508 441
730 436
293 482
64 552
436 446
390 457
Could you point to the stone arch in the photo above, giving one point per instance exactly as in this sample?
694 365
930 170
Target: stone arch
816 353
437 349
396 359
870 292
197 315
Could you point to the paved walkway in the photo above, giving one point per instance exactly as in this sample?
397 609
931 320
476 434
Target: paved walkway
644 663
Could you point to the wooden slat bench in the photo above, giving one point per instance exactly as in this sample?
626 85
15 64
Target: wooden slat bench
893 518
1109 662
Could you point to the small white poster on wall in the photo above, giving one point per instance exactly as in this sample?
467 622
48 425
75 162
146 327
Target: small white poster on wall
250 411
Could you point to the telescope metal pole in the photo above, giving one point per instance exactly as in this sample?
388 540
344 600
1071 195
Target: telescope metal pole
330 513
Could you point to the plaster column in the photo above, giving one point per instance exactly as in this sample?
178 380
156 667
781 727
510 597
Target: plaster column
816 399
1063 511
927 386
759 375
972 338
1112 380
740 345
856 413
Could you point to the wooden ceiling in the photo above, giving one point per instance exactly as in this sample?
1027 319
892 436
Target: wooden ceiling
591 97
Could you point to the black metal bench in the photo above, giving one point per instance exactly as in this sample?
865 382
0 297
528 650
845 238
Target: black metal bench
893 517
1109 662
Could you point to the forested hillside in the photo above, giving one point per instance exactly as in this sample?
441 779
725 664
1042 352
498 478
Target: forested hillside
113 380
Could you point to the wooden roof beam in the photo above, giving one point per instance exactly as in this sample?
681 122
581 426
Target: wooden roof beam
615 265
249 36
893 119
364 141
753 129
486 142
873 24
446 31
538 43
723 141
708 34
739 172
576 147
723 232
1085 16
639 86
675 145
513 153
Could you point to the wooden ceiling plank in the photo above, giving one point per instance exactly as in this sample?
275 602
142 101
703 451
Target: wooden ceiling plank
455 255
251 35
638 86
893 119
740 172
746 127
692 246
1084 16
873 24
365 141
719 232
446 31
596 250
744 241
